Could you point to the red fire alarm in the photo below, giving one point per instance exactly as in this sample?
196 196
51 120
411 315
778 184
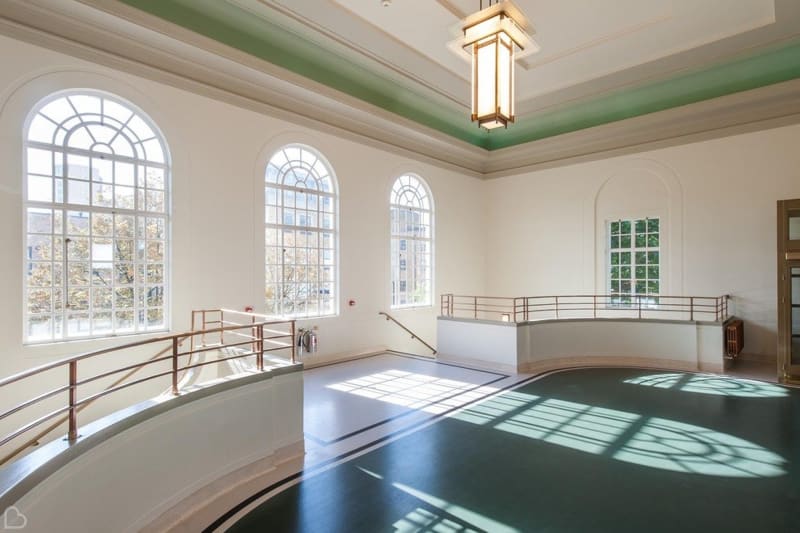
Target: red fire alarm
248 309
351 303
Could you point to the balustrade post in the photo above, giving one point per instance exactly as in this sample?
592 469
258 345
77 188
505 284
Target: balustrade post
253 334
72 432
639 299
515 309
260 352
691 308
594 306
175 366
203 335
475 306
556 307
294 343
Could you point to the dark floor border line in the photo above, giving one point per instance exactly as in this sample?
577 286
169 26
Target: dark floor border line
342 361
407 355
401 415
429 360
315 439
217 523
225 517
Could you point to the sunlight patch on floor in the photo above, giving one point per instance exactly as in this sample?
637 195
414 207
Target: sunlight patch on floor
628 437
472 518
414 391
711 384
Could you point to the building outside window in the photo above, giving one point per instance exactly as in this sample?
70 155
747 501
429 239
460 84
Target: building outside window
634 261
96 207
301 234
411 213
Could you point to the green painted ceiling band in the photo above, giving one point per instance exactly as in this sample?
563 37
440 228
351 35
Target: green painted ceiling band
239 29
280 47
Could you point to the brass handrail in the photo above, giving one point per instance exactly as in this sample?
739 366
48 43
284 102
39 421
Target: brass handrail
413 335
36 438
523 309
176 341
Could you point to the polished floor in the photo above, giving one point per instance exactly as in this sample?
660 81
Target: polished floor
579 450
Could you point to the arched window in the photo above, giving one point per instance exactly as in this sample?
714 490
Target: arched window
412 242
301 234
97 219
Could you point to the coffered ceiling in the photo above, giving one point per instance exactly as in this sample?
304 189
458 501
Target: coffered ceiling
602 63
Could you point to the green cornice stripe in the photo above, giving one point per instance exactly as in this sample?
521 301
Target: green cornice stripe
773 66
237 28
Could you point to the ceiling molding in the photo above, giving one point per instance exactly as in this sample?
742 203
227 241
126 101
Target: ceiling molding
299 18
758 109
689 80
174 56
140 44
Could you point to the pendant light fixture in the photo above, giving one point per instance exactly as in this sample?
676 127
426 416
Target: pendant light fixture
493 39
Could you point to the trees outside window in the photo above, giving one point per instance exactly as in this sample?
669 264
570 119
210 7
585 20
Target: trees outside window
634 261
301 234
97 219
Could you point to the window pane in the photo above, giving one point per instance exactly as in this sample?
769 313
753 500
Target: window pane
636 272
411 231
294 250
87 280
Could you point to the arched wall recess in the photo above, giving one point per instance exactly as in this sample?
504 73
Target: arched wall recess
636 188
16 103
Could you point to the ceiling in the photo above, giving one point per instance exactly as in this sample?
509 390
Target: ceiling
612 76
601 60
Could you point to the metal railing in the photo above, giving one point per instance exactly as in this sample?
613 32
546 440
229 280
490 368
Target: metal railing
532 308
413 335
256 335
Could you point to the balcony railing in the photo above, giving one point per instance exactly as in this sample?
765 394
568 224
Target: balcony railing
243 334
533 308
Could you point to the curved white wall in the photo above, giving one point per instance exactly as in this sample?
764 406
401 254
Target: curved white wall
549 344
132 477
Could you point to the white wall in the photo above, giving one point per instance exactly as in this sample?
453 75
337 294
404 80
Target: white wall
717 200
219 153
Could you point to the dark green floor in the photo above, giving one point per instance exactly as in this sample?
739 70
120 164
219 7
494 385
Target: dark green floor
578 451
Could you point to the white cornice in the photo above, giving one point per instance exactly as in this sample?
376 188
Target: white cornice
144 45
758 109
115 35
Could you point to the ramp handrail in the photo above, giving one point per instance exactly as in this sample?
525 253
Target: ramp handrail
413 335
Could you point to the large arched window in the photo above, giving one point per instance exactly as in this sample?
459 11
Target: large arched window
97 219
301 234
412 242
